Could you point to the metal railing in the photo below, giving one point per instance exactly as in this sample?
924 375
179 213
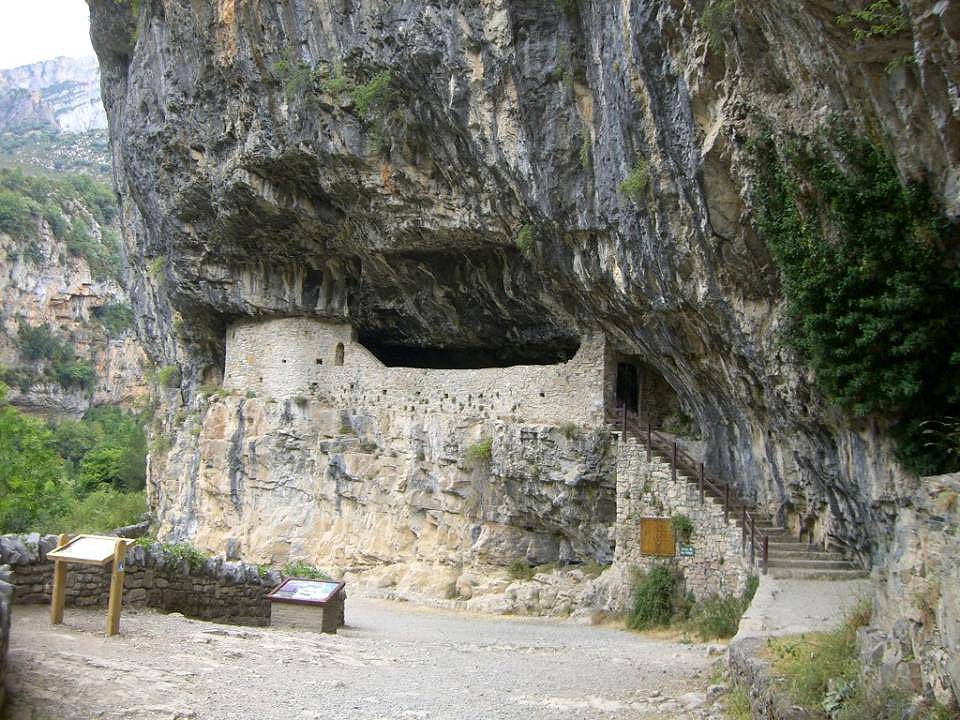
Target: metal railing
666 447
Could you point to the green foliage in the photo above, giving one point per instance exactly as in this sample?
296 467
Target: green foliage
682 528
520 569
586 145
30 471
524 239
337 84
870 283
879 19
157 270
115 318
480 452
164 376
659 598
40 346
811 663
185 551
100 512
296 75
717 19
569 430
568 6
738 705
303 570
375 95
636 181
17 214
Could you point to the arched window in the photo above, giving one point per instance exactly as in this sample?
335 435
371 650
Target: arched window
338 355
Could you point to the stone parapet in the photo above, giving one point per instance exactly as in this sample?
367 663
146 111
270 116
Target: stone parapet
6 600
212 589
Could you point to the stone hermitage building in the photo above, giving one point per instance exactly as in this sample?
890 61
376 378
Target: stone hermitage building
428 480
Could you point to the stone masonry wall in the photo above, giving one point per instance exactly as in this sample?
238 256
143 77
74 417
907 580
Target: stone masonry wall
232 592
6 600
290 357
645 489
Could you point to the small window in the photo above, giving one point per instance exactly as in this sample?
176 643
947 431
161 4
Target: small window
338 355
319 361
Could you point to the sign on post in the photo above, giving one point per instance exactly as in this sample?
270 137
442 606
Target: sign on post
89 550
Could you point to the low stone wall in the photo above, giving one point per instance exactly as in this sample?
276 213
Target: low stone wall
645 488
214 589
6 600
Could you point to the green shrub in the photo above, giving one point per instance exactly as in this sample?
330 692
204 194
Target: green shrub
520 569
185 551
569 430
659 598
297 77
682 528
374 95
16 214
164 376
717 19
114 318
303 570
480 452
881 18
100 512
738 705
635 183
869 283
524 239
36 343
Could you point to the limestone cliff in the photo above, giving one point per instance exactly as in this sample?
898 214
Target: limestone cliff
452 176
63 93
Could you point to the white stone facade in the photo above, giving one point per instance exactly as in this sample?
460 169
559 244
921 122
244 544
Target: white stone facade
291 357
645 488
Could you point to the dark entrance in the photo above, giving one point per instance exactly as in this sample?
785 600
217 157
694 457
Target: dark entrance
628 386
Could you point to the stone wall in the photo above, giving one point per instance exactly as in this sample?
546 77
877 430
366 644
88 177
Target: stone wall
6 600
645 489
232 592
297 357
914 638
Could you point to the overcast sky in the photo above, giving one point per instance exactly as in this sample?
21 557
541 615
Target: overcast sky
32 30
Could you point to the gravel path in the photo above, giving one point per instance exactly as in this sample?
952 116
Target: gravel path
393 660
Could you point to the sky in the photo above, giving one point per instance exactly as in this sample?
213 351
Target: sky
33 30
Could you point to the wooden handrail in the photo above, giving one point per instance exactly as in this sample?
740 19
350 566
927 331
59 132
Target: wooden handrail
678 458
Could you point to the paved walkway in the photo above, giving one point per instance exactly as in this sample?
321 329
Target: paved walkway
788 607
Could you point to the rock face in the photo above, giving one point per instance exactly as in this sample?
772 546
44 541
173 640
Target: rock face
445 175
47 285
64 93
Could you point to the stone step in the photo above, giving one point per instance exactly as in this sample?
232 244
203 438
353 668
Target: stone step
792 546
817 564
811 574
791 555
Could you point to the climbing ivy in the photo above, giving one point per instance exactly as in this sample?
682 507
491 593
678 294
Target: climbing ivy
870 279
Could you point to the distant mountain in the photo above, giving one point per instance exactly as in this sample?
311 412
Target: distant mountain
63 93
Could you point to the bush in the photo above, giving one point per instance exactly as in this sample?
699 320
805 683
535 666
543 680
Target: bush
717 19
481 452
870 283
16 214
303 570
659 598
100 512
635 183
524 239
682 528
375 95
36 343
114 318
185 551
520 569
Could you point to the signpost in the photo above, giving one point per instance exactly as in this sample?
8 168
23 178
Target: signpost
89 550
685 551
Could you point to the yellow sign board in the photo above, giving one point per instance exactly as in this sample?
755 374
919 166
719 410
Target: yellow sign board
88 549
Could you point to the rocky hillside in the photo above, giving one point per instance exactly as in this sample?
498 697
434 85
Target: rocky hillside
756 201
63 93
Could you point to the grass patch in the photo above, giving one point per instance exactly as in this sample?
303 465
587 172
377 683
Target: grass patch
737 705
636 181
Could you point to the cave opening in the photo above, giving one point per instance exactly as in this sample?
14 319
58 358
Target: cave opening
647 394
466 358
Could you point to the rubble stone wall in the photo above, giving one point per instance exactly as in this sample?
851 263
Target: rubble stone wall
213 589
645 489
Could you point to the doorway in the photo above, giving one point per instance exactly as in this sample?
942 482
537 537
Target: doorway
628 386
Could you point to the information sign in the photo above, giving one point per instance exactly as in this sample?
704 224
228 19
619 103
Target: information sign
307 592
686 551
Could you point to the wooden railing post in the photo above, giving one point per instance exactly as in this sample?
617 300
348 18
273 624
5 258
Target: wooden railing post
623 420
753 553
673 463
649 437
726 504
765 549
701 483
743 534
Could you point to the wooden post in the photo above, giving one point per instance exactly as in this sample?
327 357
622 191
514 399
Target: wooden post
701 483
743 535
726 503
116 589
673 463
764 553
753 554
623 420
59 594
649 437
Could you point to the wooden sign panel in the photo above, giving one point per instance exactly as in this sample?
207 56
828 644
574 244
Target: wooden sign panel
88 550
656 537
305 592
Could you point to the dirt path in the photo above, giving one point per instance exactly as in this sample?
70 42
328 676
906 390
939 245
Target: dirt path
392 661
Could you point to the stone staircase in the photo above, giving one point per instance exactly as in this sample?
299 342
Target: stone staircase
787 556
